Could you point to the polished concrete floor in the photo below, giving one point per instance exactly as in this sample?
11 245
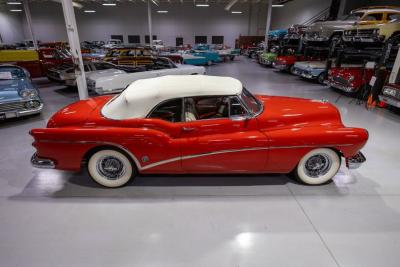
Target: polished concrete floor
54 218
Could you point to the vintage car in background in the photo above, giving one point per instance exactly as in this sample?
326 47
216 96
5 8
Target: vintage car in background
267 58
190 59
391 95
136 56
226 52
112 43
295 31
107 83
277 34
18 97
375 34
311 70
349 78
66 72
196 125
36 62
200 57
326 31
286 62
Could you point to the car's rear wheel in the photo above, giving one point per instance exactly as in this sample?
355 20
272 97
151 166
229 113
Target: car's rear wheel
111 168
318 166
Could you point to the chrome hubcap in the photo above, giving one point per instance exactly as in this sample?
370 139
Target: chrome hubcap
110 167
317 165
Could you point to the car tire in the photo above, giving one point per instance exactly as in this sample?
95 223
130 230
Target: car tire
321 78
111 168
318 166
209 63
291 70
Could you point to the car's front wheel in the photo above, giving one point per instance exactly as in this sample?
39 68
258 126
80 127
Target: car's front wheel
110 168
318 166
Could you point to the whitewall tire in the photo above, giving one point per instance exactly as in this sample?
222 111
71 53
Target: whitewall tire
318 166
110 168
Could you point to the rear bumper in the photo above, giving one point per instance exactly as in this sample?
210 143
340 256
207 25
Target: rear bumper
355 161
42 163
390 101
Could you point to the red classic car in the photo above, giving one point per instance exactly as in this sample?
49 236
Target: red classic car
349 78
286 63
197 124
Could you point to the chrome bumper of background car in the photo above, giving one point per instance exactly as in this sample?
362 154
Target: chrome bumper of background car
42 163
20 113
280 66
355 161
342 87
390 101
357 39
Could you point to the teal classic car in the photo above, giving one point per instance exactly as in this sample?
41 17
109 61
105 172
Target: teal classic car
200 57
18 97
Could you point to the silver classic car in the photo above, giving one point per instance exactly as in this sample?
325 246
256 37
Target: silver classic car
18 97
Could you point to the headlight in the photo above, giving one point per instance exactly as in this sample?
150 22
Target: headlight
32 104
351 78
29 93
389 91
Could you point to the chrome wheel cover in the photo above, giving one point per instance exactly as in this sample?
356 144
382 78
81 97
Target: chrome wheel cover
110 167
317 165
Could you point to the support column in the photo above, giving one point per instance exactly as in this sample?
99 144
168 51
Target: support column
269 11
150 22
395 74
73 39
27 11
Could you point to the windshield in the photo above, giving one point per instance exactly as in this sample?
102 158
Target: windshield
354 16
251 101
11 73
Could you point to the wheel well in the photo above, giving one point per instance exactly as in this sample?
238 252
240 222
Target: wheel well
338 152
93 150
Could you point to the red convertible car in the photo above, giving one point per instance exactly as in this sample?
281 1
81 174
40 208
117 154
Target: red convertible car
197 124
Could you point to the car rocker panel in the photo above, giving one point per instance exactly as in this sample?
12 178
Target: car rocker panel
196 124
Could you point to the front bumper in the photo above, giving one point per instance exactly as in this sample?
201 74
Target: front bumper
20 112
390 101
359 39
342 87
42 163
265 62
280 66
355 161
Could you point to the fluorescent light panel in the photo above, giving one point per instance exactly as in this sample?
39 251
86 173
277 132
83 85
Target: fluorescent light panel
109 4
162 11
14 3
202 5
236 12
278 5
16 10
90 11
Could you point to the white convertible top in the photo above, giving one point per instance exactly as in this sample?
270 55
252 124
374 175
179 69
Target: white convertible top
142 96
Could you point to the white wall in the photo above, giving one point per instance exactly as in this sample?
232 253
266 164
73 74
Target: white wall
183 20
296 12
11 26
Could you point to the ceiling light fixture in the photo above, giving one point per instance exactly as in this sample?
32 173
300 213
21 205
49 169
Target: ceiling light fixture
16 10
162 11
236 12
278 5
202 5
109 4
14 3
90 11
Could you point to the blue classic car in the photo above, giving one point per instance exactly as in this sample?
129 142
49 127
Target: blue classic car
18 97
201 57
312 70
277 34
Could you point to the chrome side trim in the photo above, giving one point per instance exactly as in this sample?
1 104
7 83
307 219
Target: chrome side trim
355 161
154 164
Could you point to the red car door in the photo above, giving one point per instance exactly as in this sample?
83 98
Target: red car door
214 140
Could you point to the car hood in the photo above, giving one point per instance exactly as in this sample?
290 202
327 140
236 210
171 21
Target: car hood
93 75
289 112
310 64
10 89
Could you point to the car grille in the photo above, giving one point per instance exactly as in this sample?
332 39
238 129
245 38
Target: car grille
91 85
340 80
4 107
360 33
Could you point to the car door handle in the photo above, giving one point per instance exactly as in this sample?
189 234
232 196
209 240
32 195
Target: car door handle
188 129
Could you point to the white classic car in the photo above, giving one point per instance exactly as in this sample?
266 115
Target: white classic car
109 81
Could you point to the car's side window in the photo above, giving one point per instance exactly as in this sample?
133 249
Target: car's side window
236 108
206 107
170 110
373 16
393 16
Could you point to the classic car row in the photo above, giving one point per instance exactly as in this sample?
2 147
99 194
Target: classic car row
197 124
